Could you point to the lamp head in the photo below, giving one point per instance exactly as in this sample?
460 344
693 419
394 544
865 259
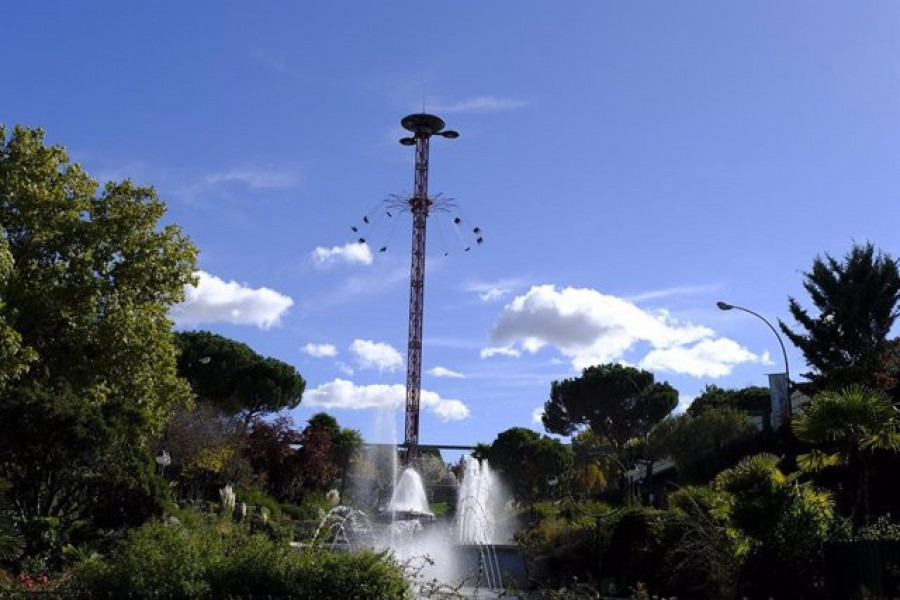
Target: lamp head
450 134
724 305
408 141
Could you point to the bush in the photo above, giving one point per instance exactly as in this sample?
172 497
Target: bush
365 574
635 547
221 559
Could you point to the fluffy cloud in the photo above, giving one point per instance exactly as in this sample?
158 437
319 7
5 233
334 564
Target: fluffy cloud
376 355
343 394
214 300
708 358
589 328
445 372
353 253
536 415
320 350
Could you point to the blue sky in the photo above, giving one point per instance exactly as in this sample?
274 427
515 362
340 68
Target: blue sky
630 163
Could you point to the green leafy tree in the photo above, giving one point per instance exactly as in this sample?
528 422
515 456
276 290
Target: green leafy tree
847 427
616 402
857 304
13 358
704 443
752 400
87 292
529 461
234 378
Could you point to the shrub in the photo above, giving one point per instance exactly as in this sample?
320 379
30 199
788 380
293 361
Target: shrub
365 574
221 559
635 546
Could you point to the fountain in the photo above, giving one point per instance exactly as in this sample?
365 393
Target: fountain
472 552
409 496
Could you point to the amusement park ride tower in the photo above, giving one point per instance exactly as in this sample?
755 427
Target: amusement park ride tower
423 127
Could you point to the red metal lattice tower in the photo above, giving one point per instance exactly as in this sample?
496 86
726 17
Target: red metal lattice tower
423 126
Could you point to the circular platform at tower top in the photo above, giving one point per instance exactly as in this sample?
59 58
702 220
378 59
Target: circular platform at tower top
423 123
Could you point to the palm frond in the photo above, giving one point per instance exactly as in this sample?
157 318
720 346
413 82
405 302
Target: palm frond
816 460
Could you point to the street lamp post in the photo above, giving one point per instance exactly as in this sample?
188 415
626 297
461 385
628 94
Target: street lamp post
787 372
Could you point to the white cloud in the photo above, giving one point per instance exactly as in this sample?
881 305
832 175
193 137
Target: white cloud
261 178
320 350
680 290
481 104
445 372
590 328
536 415
343 394
492 294
499 351
376 355
215 300
707 358
491 291
344 368
353 253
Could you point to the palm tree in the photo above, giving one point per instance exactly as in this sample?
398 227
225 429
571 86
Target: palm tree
848 426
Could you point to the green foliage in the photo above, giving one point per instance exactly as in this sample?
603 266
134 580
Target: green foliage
207 451
704 442
847 427
705 552
87 292
14 359
616 402
11 542
234 378
635 546
857 301
881 529
216 561
751 400
363 574
785 523
529 461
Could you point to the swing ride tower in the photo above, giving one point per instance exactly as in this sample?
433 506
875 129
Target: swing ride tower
423 127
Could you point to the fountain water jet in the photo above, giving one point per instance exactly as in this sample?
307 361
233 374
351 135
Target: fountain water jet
409 496
476 522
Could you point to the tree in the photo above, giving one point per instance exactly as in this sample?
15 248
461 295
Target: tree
345 443
13 358
236 379
207 450
529 462
591 473
857 302
274 458
848 427
615 401
87 293
704 443
754 400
